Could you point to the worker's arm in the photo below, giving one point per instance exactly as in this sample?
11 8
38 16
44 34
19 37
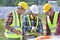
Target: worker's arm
48 31
26 24
40 27
58 25
25 27
7 23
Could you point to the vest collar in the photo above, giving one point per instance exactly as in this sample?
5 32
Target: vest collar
31 17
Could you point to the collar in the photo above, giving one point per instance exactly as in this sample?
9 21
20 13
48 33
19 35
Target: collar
32 17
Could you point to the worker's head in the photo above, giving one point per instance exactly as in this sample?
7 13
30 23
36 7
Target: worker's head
47 8
34 10
22 6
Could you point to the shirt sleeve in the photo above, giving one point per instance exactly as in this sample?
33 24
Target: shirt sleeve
40 26
26 26
8 21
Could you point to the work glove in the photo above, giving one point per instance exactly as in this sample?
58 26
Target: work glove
34 28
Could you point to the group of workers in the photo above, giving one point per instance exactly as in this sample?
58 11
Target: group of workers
18 27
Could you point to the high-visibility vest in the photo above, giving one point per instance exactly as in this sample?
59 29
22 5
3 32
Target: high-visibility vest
16 25
53 26
31 32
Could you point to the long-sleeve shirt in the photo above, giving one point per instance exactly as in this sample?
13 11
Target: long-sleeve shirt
8 22
33 23
57 27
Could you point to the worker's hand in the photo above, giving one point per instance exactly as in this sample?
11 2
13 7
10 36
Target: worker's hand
34 28
17 32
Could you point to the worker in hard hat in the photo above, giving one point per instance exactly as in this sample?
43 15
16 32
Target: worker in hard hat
32 24
52 20
13 23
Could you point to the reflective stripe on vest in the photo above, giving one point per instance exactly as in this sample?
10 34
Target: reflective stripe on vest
31 32
15 24
53 26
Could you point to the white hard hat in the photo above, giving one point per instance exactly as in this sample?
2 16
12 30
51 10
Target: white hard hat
34 9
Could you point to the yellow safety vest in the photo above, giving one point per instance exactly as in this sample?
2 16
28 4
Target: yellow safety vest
31 32
53 26
15 24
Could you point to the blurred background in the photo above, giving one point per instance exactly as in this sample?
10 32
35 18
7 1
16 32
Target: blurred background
7 6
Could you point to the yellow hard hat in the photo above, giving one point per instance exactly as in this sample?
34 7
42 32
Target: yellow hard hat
46 7
24 5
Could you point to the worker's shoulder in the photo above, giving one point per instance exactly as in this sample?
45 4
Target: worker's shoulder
10 14
26 17
59 13
39 19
